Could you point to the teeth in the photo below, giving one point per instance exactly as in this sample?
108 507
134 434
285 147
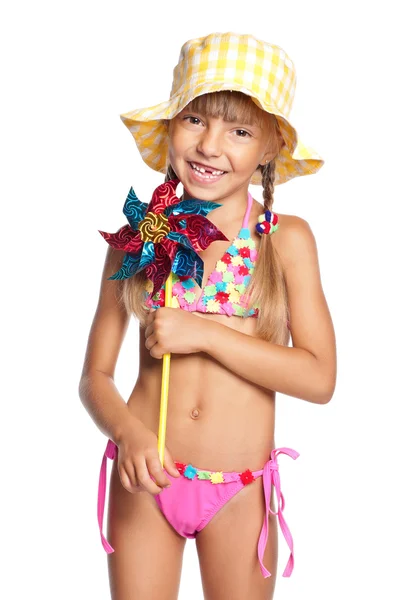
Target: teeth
202 171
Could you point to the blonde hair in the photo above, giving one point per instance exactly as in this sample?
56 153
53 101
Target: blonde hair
267 286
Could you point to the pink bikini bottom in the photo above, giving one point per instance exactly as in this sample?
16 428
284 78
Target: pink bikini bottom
197 495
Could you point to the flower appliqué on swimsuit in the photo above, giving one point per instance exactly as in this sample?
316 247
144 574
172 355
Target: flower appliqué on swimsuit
217 477
190 472
246 477
204 475
180 467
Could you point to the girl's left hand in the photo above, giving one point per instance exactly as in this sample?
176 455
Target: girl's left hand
174 330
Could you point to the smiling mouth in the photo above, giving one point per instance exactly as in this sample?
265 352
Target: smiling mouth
206 172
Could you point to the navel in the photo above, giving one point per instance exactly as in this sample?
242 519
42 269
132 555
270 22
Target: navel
194 413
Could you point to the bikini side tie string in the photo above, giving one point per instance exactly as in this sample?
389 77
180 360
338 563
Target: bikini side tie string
271 477
110 452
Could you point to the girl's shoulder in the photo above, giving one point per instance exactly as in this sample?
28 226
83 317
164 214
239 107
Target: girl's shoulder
294 239
291 222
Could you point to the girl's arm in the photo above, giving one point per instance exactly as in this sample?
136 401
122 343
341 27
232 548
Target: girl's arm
308 369
97 389
138 457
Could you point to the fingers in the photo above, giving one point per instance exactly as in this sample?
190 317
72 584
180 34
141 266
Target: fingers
152 337
169 464
149 317
144 471
138 479
157 352
154 348
128 477
152 344
149 330
155 469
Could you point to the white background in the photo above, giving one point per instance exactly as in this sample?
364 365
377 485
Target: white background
68 70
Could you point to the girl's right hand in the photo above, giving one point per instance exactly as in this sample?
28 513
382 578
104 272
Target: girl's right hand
138 460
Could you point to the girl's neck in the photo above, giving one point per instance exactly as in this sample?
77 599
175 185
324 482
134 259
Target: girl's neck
234 210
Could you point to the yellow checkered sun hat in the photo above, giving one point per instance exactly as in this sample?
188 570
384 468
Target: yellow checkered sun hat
228 61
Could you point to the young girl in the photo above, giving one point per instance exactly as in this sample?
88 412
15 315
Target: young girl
224 127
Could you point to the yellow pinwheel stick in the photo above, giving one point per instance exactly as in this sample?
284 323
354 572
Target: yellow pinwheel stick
164 394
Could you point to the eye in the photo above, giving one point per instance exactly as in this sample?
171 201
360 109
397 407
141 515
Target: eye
246 133
197 121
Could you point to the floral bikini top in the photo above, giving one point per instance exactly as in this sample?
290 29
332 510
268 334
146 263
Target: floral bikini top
225 290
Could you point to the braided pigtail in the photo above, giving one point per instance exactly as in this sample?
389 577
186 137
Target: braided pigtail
267 287
267 181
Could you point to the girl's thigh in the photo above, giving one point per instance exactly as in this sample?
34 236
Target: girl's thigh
147 560
227 549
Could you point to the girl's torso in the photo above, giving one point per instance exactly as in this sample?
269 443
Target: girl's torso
215 419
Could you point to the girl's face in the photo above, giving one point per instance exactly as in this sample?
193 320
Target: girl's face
215 159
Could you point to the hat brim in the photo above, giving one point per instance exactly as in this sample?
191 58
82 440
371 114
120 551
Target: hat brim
150 134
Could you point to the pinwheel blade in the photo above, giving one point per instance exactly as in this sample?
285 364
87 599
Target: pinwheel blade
147 255
128 268
159 270
188 263
134 209
124 239
164 196
192 206
201 232
180 238
170 247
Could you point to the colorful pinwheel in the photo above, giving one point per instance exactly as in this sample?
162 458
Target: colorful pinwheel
163 237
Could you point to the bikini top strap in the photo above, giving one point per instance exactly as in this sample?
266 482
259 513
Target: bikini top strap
248 209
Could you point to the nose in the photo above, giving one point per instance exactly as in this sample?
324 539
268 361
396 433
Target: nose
210 142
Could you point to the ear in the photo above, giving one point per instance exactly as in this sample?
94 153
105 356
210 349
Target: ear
268 156
266 159
278 144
